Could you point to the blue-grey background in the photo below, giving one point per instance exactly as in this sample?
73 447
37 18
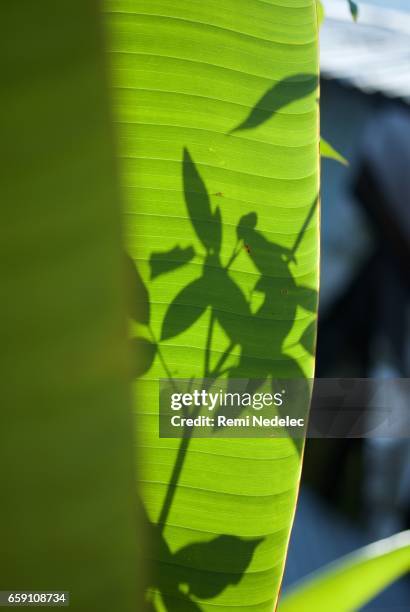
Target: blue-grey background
356 491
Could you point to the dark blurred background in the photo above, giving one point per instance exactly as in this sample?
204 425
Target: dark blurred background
355 491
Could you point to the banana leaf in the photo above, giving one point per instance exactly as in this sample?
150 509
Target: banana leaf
218 135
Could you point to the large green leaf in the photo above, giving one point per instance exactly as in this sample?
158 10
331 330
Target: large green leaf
347 585
216 107
67 514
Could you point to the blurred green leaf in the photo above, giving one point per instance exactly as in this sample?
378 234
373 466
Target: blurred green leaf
327 150
348 584
67 515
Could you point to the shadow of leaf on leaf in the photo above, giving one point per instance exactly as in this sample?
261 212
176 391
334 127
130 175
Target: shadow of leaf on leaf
163 262
207 224
203 570
278 96
183 576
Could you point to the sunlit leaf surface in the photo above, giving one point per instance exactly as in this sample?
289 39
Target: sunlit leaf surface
217 117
